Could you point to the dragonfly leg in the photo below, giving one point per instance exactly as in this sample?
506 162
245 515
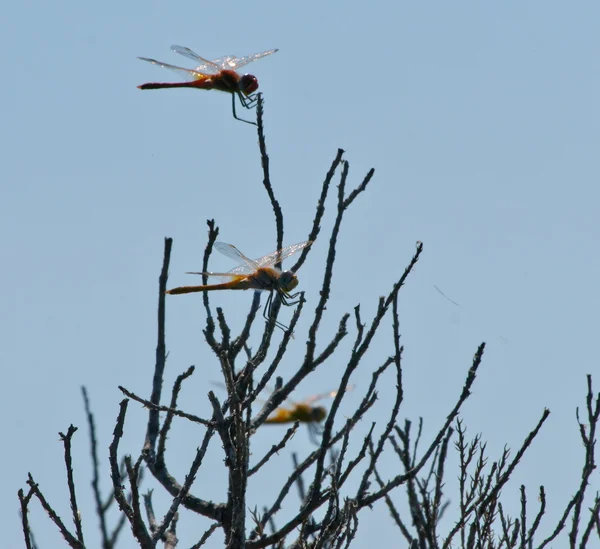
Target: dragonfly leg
314 432
242 101
267 314
267 309
285 299
248 101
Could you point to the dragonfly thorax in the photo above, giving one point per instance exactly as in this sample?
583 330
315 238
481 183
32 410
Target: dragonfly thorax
287 281
318 413
248 84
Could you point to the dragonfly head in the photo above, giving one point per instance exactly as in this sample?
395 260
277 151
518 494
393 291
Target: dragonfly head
288 281
318 413
248 84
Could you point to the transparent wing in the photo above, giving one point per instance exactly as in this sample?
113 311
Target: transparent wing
205 66
248 266
232 62
274 257
288 403
321 396
225 277
187 74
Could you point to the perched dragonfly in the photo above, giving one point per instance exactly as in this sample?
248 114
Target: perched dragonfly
257 274
219 74
304 412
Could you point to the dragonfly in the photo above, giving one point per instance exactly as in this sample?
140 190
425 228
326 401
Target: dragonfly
305 412
254 274
219 74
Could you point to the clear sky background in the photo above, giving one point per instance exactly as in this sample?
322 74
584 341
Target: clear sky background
482 122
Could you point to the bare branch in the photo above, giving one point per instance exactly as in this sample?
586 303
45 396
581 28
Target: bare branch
170 517
71 483
593 521
264 159
482 504
69 538
100 511
538 518
161 357
24 501
238 343
327 515
320 212
158 407
588 467
275 448
131 511
162 439
400 479
209 331
206 535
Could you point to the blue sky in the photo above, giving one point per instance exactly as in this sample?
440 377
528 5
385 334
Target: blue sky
482 123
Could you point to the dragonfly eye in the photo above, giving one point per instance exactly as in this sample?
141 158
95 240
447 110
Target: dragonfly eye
288 281
248 84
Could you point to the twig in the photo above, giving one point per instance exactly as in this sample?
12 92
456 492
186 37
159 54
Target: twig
238 343
150 511
137 523
171 514
170 536
71 483
594 521
225 331
24 501
588 467
162 439
320 211
161 358
538 518
360 328
158 407
131 511
278 397
481 505
396 407
392 509
100 511
275 448
365 405
209 331
466 392
264 159
73 542
206 535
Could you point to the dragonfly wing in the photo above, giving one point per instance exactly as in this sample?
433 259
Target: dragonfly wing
187 74
205 66
321 396
232 252
225 277
232 62
280 255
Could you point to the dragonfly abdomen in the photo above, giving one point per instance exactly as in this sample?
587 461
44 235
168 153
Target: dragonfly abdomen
201 83
235 285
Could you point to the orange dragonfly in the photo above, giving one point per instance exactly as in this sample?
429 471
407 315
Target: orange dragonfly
219 74
257 274
304 412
